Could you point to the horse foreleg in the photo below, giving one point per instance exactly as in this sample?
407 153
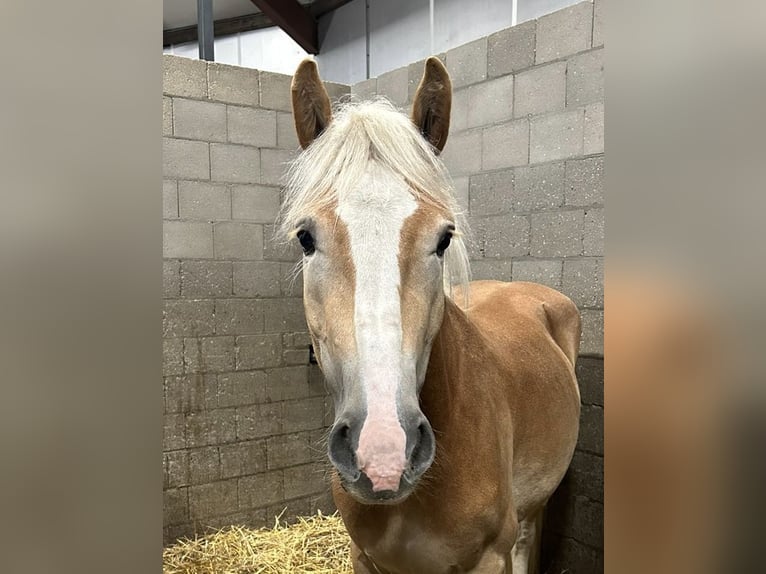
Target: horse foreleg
361 563
525 555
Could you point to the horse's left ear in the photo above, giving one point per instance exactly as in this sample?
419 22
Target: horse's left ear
433 101
311 104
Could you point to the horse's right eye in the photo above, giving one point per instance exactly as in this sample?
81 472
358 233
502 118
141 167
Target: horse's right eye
307 242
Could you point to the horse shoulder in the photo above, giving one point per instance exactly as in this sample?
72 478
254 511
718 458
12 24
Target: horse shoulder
495 303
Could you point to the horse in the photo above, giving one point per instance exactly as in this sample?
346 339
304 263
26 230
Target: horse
456 402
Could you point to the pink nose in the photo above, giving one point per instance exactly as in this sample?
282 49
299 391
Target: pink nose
381 453
384 482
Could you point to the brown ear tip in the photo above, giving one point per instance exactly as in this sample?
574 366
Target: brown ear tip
308 66
435 65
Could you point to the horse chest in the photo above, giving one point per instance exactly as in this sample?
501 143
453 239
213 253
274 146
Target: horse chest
402 546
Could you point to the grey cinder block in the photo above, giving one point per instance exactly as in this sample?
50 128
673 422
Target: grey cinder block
233 84
288 450
235 163
490 102
286 136
209 354
214 499
544 271
593 132
259 421
365 90
585 181
274 164
203 200
556 136
257 203
282 315
462 154
557 234
490 193
238 316
467 64
243 458
458 113
238 240
512 49
210 427
394 85
259 351
585 78
184 77
275 91
185 159
460 187
593 242
260 490
188 393
173 432
303 414
592 332
171 278
251 126
287 383
541 90
175 505
506 236
204 465
303 480
494 269
584 282
187 318
187 239
257 278
564 32
167 116
172 356
538 187
598 23
199 120
169 199
505 145
176 468
205 278
241 388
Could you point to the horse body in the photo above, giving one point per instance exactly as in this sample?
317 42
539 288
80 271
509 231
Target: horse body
503 402
453 424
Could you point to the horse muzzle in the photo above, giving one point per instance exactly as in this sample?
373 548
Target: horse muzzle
382 463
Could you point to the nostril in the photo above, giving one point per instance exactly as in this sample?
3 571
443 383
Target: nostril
341 451
423 451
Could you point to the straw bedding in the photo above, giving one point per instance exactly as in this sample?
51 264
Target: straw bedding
314 545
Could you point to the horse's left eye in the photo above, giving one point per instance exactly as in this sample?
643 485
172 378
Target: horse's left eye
443 243
306 241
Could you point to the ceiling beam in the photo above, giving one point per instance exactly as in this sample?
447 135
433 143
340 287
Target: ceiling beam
294 19
221 27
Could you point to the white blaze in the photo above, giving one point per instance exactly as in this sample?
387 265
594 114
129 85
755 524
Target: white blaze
374 214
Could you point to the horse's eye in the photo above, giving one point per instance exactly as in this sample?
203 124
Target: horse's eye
443 243
307 242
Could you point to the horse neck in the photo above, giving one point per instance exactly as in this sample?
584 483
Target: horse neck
448 389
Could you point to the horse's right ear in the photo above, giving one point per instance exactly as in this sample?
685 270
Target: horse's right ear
433 102
311 104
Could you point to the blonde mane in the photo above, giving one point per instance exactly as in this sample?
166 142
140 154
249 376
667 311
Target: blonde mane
373 131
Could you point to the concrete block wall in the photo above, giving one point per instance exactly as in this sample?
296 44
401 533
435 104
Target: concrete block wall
245 413
526 154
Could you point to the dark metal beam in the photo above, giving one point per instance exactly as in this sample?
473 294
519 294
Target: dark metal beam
205 35
322 7
294 19
222 27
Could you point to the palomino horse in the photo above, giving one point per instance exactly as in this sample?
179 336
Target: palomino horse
456 416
